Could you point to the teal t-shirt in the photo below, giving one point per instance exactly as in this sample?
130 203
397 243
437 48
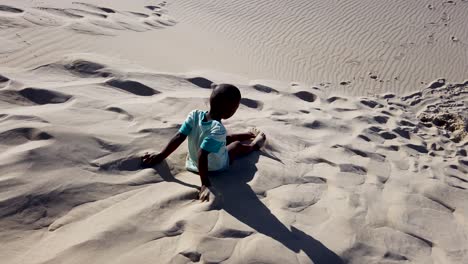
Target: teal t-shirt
210 136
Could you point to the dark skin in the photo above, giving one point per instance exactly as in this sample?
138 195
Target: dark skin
174 143
235 148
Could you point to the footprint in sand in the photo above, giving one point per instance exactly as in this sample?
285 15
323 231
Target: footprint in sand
265 89
201 82
21 135
138 14
87 18
336 99
416 149
160 15
387 135
125 115
33 96
85 13
43 96
84 68
10 9
29 18
60 12
132 87
402 132
21 118
371 103
365 154
96 8
306 96
3 79
42 19
159 20
10 17
250 103
120 164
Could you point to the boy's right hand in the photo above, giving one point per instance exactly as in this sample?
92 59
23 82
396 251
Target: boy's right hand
150 160
204 194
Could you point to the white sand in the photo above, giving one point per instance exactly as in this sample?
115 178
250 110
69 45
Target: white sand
369 46
346 176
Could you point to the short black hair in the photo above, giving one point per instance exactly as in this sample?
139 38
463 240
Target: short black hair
224 94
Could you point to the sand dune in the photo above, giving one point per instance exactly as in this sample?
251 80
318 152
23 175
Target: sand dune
364 104
350 47
55 29
403 44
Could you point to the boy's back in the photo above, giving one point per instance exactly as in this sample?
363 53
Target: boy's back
209 135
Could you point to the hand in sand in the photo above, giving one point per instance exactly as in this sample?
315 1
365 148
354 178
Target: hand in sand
149 160
205 193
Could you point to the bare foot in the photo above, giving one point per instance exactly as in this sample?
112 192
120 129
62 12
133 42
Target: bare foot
260 137
254 131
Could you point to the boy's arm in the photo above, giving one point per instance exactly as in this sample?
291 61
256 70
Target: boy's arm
203 167
173 144
203 171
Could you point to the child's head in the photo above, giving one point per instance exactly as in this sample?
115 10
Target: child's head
224 100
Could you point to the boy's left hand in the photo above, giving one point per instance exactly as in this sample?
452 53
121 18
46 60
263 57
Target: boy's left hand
151 159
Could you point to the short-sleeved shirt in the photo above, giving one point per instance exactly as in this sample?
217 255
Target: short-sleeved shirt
207 135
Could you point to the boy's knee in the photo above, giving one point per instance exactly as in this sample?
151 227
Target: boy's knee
234 146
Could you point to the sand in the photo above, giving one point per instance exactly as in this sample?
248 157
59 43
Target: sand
365 115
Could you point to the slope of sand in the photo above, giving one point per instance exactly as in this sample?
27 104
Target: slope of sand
361 178
343 179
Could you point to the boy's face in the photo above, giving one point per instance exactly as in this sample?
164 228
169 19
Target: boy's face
231 109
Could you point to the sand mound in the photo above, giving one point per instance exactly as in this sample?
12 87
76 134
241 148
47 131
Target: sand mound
342 179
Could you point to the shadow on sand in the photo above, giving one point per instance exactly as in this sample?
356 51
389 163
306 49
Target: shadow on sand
233 186
165 172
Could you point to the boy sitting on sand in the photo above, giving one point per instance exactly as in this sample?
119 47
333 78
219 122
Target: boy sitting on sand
210 147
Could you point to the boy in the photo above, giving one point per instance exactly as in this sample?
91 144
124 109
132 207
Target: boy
210 147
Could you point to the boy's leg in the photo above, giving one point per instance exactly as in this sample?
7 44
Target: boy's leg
237 149
230 138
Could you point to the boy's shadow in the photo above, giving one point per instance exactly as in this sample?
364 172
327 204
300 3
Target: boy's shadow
165 172
242 202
